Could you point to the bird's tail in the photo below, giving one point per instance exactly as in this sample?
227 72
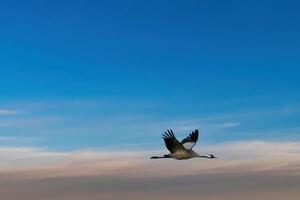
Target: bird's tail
160 157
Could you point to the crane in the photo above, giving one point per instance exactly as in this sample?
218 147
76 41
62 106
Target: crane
182 150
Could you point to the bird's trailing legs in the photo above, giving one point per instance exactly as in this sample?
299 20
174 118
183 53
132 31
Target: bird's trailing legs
160 157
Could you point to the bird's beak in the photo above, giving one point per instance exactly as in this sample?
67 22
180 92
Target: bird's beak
213 157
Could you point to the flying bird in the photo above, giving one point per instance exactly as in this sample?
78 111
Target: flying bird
181 150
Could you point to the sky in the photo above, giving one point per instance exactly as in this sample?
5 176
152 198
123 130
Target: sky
113 75
88 87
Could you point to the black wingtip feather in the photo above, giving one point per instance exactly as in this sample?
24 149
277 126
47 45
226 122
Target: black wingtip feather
168 134
192 137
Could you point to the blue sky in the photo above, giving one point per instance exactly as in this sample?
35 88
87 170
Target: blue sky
115 74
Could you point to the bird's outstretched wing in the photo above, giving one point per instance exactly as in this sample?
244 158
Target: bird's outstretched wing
190 141
171 142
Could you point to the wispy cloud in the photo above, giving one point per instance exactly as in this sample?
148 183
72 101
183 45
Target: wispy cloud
30 121
52 120
7 141
91 161
190 125
228 125
8 112
255 169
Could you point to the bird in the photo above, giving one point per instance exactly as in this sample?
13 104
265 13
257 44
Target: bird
181 150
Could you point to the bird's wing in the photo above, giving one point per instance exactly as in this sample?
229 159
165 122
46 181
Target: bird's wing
171 142
190 141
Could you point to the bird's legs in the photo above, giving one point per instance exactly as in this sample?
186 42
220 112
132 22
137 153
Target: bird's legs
158 157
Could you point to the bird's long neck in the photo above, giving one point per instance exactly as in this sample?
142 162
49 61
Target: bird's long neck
210 156
204 156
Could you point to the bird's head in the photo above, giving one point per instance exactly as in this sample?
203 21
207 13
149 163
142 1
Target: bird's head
211 156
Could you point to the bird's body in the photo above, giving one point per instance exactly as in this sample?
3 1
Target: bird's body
183 154
181 150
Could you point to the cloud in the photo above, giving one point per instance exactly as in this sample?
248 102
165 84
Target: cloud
8 112
229 125
31 121
270 172
232 157
16 139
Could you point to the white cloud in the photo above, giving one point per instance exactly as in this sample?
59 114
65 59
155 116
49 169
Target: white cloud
229 125
255 150
8 112
237 156
30 121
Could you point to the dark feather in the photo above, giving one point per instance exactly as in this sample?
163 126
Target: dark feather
171 142
192 138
